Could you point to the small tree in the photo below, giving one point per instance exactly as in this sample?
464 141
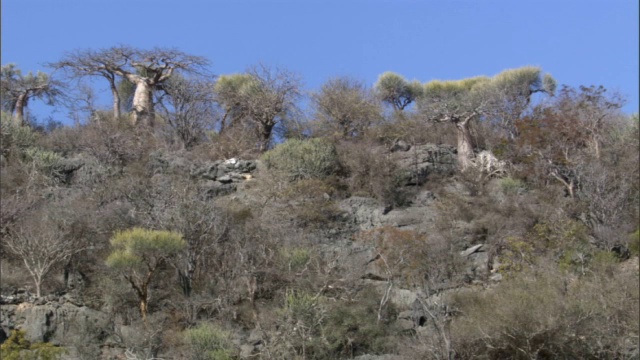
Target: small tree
262 97
41 247
18 89
138 254
395 90
345 106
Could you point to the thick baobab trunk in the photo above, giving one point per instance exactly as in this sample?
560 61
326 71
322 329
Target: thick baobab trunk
465 144
116 101
143 104
21 104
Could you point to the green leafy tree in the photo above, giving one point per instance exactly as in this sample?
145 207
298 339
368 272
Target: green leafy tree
139 253
18 89
396 91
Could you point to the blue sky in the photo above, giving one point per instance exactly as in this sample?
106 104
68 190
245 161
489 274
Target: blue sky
583 42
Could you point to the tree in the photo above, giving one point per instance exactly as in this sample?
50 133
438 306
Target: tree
188 108
147 69
138 254
17 89
396 91
461 101
345 106
511 92
41 246
457 102
262 96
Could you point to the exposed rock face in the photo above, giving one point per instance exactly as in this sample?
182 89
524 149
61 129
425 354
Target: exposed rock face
58 322
420 161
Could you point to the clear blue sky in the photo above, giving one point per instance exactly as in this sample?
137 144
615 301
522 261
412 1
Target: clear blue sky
580 42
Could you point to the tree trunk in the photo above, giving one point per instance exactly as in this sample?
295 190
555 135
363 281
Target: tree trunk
143 104
143 309
21 104
265 135
465 144
116 100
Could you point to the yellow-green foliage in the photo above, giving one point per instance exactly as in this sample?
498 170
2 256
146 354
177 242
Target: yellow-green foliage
139 246
295 258
17 347
440 88
19 136
510 185
208 342
303 159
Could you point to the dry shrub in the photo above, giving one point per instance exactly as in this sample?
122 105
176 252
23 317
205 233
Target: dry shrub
400 253
371 172
550 315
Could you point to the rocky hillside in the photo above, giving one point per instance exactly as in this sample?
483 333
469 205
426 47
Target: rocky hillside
328 251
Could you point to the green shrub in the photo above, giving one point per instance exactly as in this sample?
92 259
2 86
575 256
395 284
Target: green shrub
303 159
295 259
208 342
510 185
17 347
21 137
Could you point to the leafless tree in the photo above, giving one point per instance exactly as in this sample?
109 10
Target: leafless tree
346 106
40 247
188 108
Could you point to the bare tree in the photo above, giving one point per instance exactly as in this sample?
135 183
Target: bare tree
82 63
40 247
147 69
188 108
17 89
345 106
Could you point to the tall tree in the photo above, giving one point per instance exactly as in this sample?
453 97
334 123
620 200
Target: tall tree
397 91
147 69
187 106
512 92
460 102
262 96
18 89
346 107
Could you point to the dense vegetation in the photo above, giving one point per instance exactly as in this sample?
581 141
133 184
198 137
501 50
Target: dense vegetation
117 212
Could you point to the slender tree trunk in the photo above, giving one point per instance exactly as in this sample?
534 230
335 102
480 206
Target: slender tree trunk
144 305
38 281
465 144
21 104
143 104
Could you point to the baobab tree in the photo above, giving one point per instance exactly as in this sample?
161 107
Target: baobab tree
146 69
460 102
18 89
